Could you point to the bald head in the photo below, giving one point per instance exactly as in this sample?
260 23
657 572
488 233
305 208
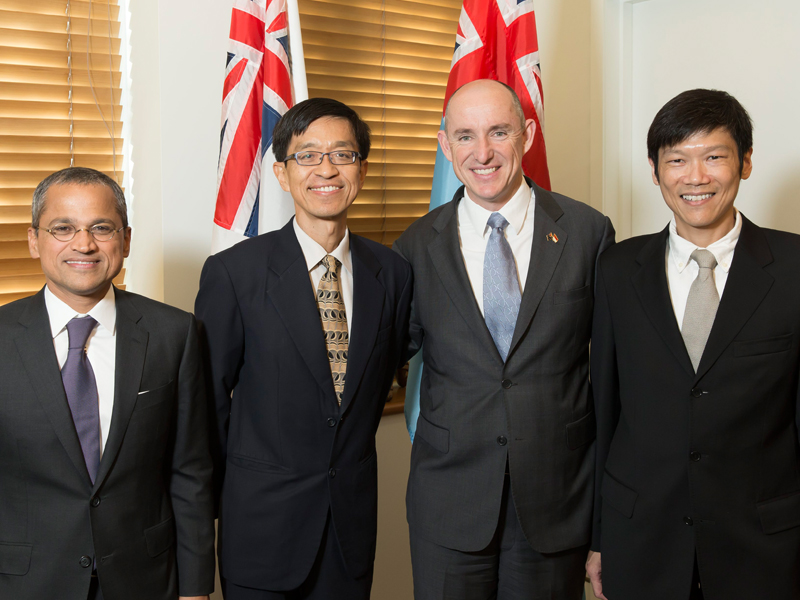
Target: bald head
469 90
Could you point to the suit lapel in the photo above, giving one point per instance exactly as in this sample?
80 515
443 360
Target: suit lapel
368 297
544 258
745 288
446 257
293 298
650 283
131 344
35 347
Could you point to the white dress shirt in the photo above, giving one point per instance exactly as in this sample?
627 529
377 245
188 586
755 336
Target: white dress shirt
101 347
314 253
474 232
682 270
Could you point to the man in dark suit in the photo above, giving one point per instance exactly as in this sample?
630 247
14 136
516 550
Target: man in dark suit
304 327
105 470
500 493
695 359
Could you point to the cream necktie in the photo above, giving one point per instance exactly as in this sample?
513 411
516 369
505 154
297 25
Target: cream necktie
334 323
701 306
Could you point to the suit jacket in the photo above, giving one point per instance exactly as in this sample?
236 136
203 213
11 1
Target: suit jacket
703 464
535 411
147 522
289 454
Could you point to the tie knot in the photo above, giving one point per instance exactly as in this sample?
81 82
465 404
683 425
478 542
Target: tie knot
705 259
331 263
78 330
497 221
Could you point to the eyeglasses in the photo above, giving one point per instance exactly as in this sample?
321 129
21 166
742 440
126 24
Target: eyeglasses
312 159
65 233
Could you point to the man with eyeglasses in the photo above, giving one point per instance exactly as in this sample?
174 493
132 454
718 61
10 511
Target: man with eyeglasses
105 470
304 329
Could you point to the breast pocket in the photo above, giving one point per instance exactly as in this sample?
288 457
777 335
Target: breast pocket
772 345
155 396
570 296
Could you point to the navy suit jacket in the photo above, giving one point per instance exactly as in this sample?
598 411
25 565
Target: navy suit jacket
288 453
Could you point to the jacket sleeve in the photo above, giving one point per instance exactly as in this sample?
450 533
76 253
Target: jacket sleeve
190 485
222 342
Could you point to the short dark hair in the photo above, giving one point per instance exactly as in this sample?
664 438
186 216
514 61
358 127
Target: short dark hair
699 111
78 176
298 118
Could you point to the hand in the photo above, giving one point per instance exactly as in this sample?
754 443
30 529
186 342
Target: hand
595 573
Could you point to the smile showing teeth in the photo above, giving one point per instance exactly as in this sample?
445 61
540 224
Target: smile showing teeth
327 188
696 197
484 171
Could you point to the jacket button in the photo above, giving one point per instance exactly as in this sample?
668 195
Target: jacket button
696 392
506 383
85 562
502 440
331 422
695 456
95 502
332 473
688 521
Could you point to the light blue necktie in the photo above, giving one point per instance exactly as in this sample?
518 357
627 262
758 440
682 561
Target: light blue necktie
501 295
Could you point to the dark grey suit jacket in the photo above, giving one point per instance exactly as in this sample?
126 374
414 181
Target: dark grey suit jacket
289 455
534 411
702 464
147 522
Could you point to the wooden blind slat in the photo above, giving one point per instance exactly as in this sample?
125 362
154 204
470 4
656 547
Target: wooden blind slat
78 8
57 145
57 41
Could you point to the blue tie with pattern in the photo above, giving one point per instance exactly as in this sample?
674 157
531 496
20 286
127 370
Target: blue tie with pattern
501 294
81 389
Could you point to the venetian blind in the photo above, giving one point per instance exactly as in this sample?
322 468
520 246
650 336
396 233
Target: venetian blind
38 85
389 61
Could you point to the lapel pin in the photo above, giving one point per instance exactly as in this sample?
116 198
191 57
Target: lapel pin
552 237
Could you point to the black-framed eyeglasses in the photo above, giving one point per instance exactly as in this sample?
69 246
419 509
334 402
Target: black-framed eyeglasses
65 233
310 158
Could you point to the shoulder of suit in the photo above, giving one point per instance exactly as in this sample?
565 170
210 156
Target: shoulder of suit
424 225
11 312
627 249
245 249
573 207
386 256
156 313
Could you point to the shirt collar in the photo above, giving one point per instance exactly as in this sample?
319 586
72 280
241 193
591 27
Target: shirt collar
680 249
314 253
514 211
104 312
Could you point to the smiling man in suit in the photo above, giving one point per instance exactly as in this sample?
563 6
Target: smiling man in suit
695 357
500 493
105 470
304 327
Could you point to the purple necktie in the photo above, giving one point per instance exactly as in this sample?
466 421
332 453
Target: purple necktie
81 389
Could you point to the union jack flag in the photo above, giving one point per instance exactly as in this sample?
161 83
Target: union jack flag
257 91
496 39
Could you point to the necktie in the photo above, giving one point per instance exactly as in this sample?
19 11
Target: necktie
334 323
701 306
501 295
81 390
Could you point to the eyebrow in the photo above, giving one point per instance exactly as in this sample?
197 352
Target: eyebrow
69 221
709 149
496 127
337 144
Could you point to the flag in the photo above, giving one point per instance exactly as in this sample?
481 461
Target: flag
264 74
496 39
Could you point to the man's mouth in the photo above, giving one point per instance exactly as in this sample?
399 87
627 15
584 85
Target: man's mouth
82 262
485 171
696 197
325 188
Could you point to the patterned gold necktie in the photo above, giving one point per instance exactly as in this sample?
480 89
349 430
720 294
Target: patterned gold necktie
334 322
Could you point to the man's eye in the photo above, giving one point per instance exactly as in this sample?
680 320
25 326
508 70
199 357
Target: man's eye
62 229
464 138
102 229
342 154
306 155
500 133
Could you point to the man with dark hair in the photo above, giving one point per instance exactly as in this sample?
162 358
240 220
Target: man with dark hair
304 329
105 471
500 493
695 360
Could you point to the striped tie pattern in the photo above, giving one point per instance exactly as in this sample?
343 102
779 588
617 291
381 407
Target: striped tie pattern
334 323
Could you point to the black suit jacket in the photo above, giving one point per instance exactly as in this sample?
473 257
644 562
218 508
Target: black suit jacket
705 463
147 522
535 410
289 454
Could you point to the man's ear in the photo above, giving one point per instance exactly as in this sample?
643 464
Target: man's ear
279 169
530 131
444 143
33 242
747 164
653 171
